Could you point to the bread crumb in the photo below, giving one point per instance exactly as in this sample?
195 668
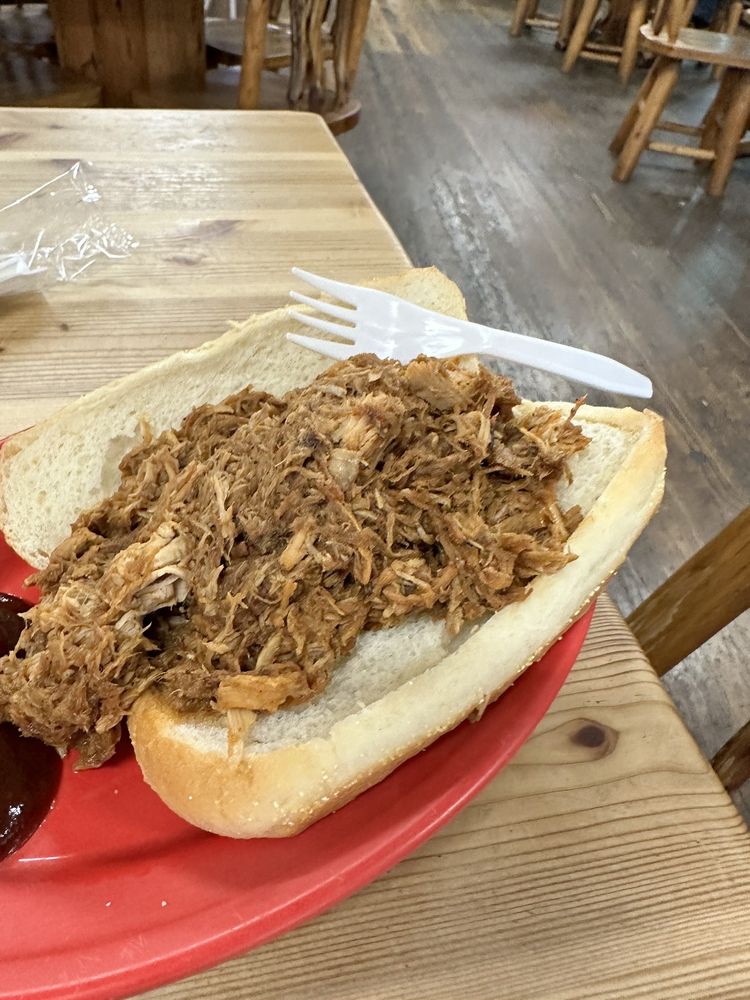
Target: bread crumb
163 902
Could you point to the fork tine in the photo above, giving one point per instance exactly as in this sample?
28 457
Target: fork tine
338 329
330 348
340 312
339 289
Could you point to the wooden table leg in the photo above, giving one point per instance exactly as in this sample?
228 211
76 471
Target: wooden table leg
256 21
732 130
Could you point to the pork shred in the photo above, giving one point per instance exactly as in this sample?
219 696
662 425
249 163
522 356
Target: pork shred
244 553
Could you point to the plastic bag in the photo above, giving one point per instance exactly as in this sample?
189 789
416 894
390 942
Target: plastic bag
55 233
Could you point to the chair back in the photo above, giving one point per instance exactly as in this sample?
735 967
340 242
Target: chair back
710 590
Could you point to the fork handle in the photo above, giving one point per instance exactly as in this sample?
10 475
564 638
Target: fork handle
596 370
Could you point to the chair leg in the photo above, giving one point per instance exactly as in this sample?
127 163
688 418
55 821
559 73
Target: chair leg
636 18
734 127
580 33
520 16
631 117
661 88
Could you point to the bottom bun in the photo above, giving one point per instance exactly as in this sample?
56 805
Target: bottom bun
402 688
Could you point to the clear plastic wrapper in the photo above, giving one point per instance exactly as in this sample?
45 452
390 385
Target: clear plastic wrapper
55 233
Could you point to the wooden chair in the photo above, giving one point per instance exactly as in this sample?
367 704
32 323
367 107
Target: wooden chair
704 595
720 134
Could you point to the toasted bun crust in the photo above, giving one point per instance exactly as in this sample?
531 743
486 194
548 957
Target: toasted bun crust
279 789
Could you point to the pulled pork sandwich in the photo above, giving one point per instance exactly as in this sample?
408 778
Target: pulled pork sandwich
243 554
308 581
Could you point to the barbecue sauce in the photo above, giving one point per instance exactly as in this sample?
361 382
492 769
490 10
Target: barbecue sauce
29 770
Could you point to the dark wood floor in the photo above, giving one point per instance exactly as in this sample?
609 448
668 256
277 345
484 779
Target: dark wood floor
491 164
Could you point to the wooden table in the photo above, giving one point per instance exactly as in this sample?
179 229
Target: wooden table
606 862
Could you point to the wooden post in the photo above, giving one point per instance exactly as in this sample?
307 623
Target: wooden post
133 45
256 22
74 34
175 44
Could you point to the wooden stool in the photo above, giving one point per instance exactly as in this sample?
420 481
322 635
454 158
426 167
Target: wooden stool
704 595
526 14
720 133
627 17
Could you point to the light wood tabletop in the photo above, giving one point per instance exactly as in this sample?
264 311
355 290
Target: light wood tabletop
606 861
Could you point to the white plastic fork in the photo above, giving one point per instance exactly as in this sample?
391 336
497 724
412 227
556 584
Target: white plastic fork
376 322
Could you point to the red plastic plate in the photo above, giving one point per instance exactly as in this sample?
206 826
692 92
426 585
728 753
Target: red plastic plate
114 894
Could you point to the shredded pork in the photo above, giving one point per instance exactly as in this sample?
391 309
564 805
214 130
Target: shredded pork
244 553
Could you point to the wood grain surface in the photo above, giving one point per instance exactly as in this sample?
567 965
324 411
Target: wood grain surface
222 204
498 172
605 863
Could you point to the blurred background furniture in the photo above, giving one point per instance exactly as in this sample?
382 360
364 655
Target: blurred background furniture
527 15
29 73
299 54
708 592
720 133
611 39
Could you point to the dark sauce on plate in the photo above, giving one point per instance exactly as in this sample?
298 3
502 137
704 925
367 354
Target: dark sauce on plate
29 770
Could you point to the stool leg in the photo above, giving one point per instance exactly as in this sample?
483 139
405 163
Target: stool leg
711 125
580 34
636 18
732 130
650 113
564 28
729 27
635 109
520 14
